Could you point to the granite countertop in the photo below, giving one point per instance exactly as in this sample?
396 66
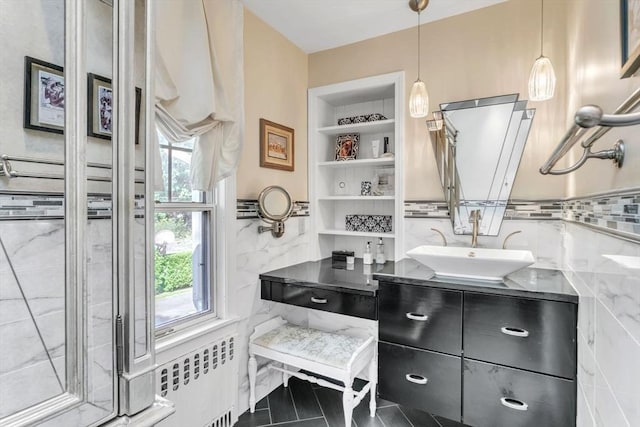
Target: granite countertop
325 274
529 282
363 279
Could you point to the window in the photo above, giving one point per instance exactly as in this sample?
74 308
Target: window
183 241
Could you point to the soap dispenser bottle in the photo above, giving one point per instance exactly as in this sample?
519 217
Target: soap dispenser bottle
367 256
380 258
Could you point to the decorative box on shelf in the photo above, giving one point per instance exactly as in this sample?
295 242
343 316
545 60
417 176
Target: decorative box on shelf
369 223
361 119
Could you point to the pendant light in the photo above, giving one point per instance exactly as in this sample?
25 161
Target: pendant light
542 81
419 98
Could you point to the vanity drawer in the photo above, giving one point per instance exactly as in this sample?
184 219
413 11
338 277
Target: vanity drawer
420 316
271 291
420 379
350 304
496 396
536 335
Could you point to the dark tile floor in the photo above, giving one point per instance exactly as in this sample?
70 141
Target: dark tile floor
303 404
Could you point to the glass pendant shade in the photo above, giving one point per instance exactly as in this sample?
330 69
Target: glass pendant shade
419 100
542 81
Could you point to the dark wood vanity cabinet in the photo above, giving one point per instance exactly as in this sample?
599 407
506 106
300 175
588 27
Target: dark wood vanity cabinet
421 379
484 359
499 396
421 317
335 301
531 334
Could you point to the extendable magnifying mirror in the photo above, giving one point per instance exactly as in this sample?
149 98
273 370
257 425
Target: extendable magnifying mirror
274 207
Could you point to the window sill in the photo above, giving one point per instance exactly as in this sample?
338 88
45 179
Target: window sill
171 346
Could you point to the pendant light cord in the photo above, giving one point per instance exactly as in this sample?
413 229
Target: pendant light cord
541 26
418 7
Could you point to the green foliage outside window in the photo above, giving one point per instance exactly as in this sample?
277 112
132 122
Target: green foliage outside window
173 271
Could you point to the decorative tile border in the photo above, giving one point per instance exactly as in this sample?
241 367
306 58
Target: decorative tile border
248 209
616 212
515 209
425 209
39 205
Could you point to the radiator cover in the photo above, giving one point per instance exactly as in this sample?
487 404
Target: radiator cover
203 384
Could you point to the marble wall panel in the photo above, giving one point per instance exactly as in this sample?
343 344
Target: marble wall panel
605 270
32 315
259 253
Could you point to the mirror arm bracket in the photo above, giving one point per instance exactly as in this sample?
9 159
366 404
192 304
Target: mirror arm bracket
276 229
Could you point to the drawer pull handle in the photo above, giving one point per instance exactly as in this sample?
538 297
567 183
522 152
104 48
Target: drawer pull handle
319 300
416 379
514 332
518 405
417 316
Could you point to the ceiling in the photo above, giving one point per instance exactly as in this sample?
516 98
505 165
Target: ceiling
315 25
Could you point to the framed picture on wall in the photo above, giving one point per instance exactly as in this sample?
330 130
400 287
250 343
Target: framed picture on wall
100 108
630 36
43 96
276 146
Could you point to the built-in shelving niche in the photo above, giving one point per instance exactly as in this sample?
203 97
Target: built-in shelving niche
329 201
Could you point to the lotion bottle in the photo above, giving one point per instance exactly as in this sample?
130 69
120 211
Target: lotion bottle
367 256
380 258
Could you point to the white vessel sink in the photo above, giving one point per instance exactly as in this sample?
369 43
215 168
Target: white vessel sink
471 263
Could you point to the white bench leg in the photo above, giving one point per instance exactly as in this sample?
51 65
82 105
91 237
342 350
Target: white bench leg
253 372
285 377
347 404
373 378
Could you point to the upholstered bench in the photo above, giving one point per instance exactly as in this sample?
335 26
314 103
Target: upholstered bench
327 354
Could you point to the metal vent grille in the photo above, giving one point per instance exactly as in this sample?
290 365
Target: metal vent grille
223 421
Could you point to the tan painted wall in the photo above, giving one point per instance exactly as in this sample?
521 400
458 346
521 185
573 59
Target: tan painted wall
594 65
275 77
481 53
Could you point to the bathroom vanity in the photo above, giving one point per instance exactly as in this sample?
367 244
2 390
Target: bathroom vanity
482 353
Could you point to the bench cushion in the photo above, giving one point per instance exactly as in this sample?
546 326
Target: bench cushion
318 346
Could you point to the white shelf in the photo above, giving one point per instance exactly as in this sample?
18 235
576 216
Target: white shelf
357 198
378 126
382 94
336 232
358 162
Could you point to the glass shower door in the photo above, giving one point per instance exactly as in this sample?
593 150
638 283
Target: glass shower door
57 292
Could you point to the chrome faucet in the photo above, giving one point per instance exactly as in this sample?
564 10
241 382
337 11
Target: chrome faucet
474 218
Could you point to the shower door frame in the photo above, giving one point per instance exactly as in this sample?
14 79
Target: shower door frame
133 380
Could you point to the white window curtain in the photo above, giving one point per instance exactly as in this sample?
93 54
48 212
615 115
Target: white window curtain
199 83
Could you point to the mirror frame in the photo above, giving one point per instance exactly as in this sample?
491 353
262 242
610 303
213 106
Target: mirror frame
445 144
261 204
276 221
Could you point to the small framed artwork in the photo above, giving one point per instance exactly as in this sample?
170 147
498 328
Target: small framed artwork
276 146
43 96
347 146
100 108
630 36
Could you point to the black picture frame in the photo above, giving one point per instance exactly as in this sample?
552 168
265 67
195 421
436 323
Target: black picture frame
43 96
99 107
630 54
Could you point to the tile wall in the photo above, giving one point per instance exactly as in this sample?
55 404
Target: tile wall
32 313
605 271
258 253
